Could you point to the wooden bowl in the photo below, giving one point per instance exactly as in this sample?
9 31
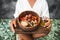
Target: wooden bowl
31 27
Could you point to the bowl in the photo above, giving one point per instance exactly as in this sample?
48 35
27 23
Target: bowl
28 28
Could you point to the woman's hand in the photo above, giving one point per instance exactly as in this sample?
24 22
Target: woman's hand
44 30
47 23
13 24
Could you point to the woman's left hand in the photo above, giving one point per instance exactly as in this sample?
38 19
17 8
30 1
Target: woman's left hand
47 23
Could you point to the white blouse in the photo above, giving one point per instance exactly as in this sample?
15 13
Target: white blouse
40 7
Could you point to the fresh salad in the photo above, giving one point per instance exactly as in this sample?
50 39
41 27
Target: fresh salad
29 20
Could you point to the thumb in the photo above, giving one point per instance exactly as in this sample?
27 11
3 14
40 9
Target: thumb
12 28
14 23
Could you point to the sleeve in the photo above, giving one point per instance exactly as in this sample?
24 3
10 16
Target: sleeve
17 8
45 11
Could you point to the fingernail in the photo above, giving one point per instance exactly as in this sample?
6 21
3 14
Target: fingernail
15 25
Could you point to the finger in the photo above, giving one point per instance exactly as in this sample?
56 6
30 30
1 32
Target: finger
38 35
11 25
14 23
49 26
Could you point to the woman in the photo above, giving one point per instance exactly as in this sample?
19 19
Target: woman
39 6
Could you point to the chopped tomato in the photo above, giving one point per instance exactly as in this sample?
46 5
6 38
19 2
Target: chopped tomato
22 18
34 17
29 15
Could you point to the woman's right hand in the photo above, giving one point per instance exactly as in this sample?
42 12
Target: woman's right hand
13 24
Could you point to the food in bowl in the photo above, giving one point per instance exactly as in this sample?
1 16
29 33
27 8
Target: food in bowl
29 20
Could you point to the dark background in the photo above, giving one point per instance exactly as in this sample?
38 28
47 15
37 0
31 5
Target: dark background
7 8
